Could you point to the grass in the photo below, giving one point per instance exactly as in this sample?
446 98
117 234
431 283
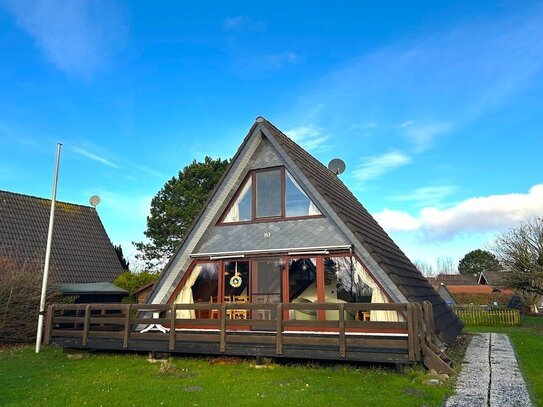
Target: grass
51 378
527 340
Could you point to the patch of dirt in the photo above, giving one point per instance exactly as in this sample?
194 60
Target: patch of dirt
458 349
414 392
224 360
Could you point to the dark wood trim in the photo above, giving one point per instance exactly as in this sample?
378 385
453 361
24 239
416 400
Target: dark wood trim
269 220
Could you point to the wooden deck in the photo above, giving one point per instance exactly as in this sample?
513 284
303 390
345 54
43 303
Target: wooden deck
119 326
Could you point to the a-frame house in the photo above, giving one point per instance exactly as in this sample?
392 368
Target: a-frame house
280 227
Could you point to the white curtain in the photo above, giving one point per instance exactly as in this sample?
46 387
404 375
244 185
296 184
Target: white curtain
233 213
312 210
377 296
185 295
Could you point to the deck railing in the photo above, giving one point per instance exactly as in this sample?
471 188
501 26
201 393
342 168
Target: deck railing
120 326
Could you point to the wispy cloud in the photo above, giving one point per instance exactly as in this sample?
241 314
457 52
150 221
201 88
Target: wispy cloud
376 166
78 37
244 23
426 196
276 61
308 137
481 214
94 157
433 84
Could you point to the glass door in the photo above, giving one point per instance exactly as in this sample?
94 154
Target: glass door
265 284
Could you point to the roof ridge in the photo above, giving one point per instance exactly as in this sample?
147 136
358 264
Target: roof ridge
44 199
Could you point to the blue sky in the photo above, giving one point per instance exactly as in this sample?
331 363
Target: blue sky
435 107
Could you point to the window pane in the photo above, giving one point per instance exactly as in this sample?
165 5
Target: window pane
236 278
241 207
297 202
268 194
302 283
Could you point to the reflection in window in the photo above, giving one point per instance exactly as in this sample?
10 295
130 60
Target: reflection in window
297 202
268 194
302 282
201 286
241 207
340 273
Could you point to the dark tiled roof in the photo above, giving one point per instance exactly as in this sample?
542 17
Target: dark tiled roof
454 279
81 250
375 240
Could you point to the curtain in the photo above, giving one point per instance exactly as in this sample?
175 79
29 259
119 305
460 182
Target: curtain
312 209
377 297
233 213
185 295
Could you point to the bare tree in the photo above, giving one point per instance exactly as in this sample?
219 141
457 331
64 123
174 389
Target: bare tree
445 265
520 252
425 268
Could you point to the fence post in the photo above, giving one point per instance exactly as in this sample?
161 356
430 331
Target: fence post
279 333
411 333
341 323
223 328
86 325
173 317
127 326
49 324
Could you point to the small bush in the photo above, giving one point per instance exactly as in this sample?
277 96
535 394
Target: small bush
20 292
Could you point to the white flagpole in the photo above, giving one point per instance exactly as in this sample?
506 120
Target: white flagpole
47 254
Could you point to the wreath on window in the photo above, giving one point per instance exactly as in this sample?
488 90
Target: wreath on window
236 279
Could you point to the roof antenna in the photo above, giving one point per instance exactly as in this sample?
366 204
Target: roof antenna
94 200
337 166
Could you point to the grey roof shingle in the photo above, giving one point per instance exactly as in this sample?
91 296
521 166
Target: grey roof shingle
81 250
375 240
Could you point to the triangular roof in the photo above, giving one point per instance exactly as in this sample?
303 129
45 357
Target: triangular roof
388 264
81 250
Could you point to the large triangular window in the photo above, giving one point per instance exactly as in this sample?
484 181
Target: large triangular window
271 194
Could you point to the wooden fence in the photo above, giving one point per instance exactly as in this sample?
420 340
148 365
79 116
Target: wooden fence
269 331
475 316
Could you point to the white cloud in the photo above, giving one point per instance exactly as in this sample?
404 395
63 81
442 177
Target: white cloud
308 137
78 37
397 221
94 157
474 215
376 166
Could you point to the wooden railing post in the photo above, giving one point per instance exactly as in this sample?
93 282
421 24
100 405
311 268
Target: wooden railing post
85 338
413 355
223 328
48 324
279 333
127 326
341 323
173 316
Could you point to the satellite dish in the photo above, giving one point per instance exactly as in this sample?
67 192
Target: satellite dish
94 200
337 166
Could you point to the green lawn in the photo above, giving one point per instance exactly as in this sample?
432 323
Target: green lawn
527 341
52 379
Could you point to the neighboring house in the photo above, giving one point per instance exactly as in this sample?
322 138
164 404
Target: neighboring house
485 288
446 295
480 295
453 279
281 227
143 292
83 260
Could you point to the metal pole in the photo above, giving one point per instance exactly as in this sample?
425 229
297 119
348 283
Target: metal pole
47 254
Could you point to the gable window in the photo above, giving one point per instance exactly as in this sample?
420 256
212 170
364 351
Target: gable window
270 194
